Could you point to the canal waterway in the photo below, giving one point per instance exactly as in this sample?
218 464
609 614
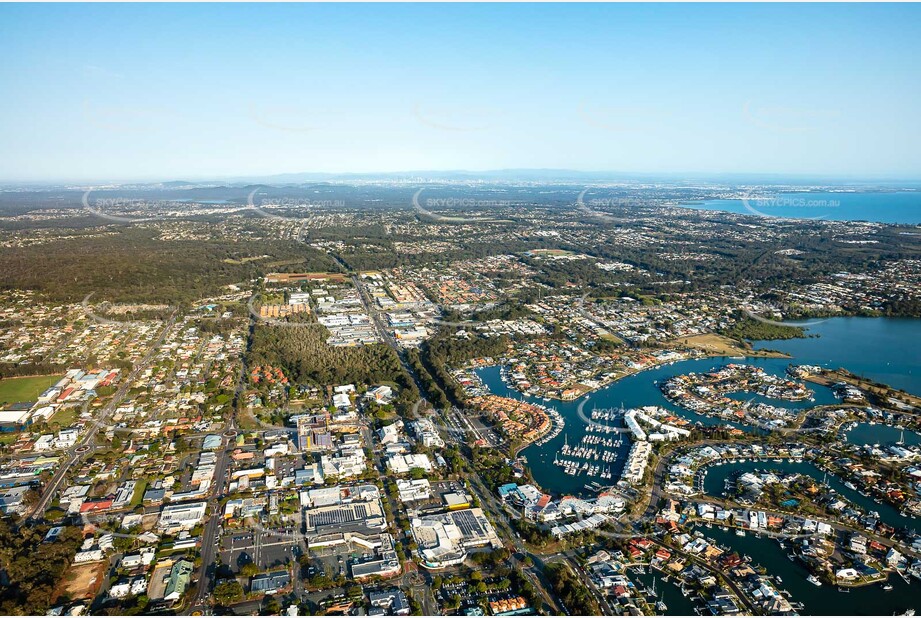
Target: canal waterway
885 349
822 600
634 391
668 591
865 433
715 482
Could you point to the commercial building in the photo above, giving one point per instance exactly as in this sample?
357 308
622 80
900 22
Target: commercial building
270 583
15 418
390 602
401 464
177 517
444 539
384 563
343 515
411 491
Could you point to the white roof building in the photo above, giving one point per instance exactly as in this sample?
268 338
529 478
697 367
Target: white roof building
411 491
175 517
401 464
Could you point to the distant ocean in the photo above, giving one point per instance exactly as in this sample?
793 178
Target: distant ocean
895 207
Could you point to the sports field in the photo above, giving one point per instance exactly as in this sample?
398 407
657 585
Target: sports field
13 390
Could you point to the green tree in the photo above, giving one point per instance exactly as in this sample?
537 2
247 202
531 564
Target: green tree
249 569
228 592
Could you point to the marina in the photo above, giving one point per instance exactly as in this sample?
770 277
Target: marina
841 342
593 456
662 589
558 425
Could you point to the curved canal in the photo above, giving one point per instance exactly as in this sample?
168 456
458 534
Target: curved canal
820 600
716 476
637 390
865 433
884 349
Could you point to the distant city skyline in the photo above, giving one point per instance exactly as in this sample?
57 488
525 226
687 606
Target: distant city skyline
200 92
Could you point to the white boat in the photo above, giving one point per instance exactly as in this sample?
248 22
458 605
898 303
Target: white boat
812 579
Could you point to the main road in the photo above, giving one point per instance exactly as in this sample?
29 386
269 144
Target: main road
87 441
211 536
486 498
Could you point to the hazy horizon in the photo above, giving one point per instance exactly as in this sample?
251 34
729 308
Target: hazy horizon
509 175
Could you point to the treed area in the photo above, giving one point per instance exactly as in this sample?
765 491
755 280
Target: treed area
134 265
302 354
30 569
572 592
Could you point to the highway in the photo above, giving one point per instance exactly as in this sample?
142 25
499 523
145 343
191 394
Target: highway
422 590
486 498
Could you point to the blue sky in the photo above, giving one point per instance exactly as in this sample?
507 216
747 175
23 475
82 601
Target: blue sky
125 92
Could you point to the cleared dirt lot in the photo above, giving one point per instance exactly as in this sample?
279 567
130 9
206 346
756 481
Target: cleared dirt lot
83 581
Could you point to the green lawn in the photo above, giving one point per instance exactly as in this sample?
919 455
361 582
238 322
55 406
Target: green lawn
65 417
138 496
13 390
